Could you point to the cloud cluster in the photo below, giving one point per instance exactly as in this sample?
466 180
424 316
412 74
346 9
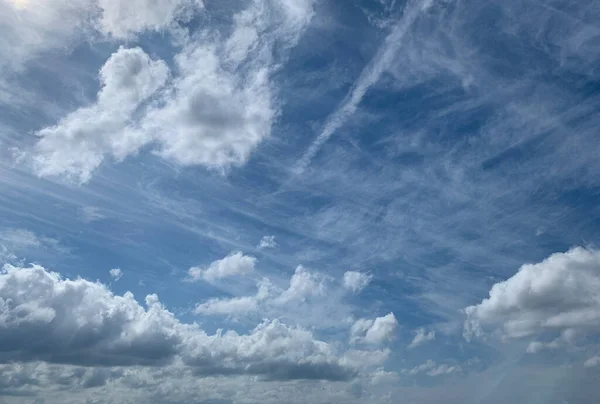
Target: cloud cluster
44 317
235 263
214 112
561 294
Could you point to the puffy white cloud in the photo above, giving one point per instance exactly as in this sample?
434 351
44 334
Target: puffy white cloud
124 18
421 336
216 110
55 320
374 331
236 263
116 273
303 284
356 281
78 143
267 242
559 294
430 368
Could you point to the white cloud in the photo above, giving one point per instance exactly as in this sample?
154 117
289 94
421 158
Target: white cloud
592 362
356 281
116 274
78 143
214 113
236 263
236 305
82 323
267 242
303 284
430 368
559 294
421 336
374 331
124 18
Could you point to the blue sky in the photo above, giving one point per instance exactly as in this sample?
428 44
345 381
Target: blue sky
303 200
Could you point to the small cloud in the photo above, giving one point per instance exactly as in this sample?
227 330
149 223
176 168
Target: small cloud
374 331
356 281
421 336
592 362
235 263
116 274
267 242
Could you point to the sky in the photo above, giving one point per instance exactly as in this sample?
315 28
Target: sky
300 201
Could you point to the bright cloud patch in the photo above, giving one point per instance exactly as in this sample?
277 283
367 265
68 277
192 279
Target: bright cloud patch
267 242
78 143
374 331
115 274
558 294
79 322
356 281
235 263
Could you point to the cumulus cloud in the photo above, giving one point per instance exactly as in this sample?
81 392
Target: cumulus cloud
216 110
303 284
431 368
44 317
560 294
267 242
421 336
236 263
78 143
374 331
356 281
116 274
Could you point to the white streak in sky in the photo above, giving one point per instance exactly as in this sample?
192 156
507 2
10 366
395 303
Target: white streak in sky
369 76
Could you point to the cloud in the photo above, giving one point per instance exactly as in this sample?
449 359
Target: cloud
561 293
78 322
78 143
236 263
267 242
356 281
16 243
421 336
592 362
303 284
215 111
116 274
236 305
374 331
430 368
124 18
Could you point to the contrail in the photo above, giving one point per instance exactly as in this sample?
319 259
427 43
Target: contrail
369 76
